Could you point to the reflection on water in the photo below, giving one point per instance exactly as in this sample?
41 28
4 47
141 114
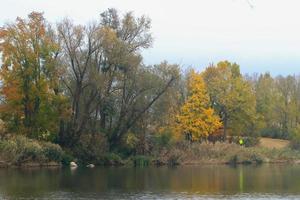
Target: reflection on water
200 182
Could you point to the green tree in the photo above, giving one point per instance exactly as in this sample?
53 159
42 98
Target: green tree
232 97
266 96
286 107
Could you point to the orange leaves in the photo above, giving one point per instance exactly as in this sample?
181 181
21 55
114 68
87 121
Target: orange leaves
11 91
29 73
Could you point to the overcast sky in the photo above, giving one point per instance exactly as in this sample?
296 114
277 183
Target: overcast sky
260 35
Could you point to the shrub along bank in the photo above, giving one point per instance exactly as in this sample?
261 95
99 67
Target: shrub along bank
21 151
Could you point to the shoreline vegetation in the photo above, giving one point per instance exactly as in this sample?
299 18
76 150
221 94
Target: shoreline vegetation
81 95
21 152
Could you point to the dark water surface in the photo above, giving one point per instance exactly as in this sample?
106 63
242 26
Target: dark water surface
186 182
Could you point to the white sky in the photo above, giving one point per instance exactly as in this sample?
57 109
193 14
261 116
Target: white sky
265 37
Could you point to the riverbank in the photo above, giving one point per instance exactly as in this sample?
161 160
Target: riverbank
25 153
225 153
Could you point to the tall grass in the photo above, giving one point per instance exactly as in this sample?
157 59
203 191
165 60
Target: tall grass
18 150
196 153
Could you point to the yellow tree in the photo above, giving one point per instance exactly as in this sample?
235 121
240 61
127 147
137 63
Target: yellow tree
197 119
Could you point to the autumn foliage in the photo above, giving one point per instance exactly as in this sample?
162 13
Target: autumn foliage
197 120
30 76
86 87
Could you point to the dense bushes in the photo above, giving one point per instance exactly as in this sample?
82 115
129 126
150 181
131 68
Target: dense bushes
163 139
52 152
91 147
110 159
67 158
19 149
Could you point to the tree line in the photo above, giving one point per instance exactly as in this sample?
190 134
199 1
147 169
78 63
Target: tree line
87 85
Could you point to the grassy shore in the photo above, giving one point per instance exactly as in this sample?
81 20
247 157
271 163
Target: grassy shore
224 153
23 152
185 153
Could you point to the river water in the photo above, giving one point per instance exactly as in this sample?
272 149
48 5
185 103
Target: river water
183 182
